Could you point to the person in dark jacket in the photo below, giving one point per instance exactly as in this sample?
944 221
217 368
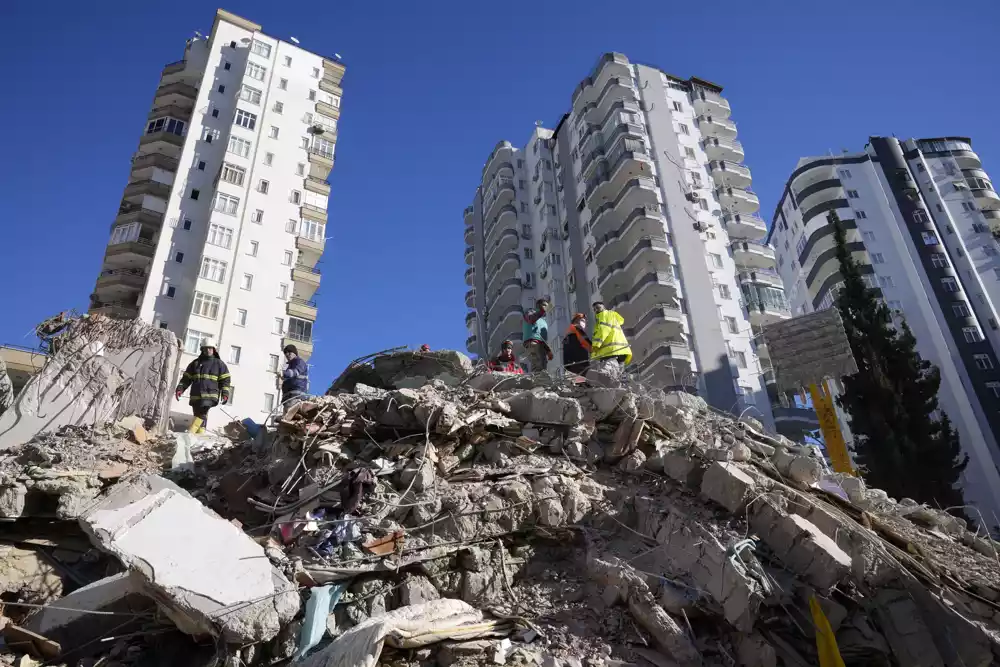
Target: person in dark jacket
295 378
208 378
576 346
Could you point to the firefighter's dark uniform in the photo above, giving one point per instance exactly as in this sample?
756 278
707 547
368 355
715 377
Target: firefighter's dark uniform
208 377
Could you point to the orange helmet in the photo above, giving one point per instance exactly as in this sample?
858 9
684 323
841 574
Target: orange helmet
577 317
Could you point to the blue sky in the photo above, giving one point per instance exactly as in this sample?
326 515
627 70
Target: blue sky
430 88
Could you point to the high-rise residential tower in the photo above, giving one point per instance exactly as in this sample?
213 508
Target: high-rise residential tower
919 216
223 219
649 210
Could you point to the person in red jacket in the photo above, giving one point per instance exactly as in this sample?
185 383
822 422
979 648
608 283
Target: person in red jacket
505 362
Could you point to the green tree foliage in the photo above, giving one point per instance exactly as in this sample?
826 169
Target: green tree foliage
898 443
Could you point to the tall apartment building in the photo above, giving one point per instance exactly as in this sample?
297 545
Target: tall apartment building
223 219
918 215
647 208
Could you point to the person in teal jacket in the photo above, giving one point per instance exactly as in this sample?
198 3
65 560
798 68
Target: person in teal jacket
535 336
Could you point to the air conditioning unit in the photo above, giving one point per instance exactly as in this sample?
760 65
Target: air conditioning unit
691 196
700 226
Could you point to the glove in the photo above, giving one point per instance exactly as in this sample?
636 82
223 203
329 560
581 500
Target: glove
225 398
177 394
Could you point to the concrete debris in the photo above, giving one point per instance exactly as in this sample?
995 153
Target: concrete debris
6 388
425 513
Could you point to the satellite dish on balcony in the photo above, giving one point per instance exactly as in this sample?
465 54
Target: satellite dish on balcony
294 40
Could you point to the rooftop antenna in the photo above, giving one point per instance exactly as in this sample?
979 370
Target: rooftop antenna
294 40
538 123
199 35
337 56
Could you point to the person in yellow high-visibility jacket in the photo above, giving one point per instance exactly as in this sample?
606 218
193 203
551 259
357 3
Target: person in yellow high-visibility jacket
608 342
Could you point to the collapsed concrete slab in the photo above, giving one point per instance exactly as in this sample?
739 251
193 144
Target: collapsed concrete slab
206 574
545 407
405 369
102 370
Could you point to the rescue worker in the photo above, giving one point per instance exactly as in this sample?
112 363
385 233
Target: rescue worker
425 348
505 362
609 345
208 378
535 336
576 346
295 377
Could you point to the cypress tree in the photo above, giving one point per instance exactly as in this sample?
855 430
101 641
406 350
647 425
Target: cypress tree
900 444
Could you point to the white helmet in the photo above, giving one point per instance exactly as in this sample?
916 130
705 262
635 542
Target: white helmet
208 341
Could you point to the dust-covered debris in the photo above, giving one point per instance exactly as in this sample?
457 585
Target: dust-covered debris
459 519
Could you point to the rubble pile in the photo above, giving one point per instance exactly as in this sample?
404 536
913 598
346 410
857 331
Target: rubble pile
422 513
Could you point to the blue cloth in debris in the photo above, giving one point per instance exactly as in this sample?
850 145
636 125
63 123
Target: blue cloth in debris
322 600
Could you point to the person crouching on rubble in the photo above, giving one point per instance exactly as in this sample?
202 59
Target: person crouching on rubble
576 346
505 362
294 379
536 335
208 377
610 351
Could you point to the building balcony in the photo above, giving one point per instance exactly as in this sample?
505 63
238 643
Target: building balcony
507 294
163 141
147 187
467 215
752 255
611 65
139 251
711 104
501 153
470 277
714 126
740 226
125 279
666 364
762 350
469 234
642 222
178 111
470 345
765 276
637 193
470 319
147 217
302 308
177 93
310 247
470 298
507 325
616 89
650 253
649 289
331 84
765 305
664 321
729 174
145 161
505 219
320 165
304 346
319 187
306 281
500 194
796 419
506 267
723 149
738 200
507 242
986 198
967 160
328 110
626 162
122 310
333 70
470 255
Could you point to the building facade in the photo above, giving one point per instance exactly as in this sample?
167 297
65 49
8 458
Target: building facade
223 220
649 209
919 216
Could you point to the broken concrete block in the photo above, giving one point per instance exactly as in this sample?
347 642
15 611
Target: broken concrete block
545 407
494 381
903 626
417 589
682 468
632 463
413 370
27 574
422 476
671 418
754 651
606 401
207 575
103 369
12 500
727 485
682 399
799 543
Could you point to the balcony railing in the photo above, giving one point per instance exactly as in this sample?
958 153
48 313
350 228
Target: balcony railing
299 337
123 272
308 269
303 302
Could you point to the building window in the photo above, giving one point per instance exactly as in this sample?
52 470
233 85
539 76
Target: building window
860 215
994 388
295 197
205 305
960 310
868 236
282 291
263 186
254 247
716 260
312 95
195 193
844 173
221 88
949 285
239 146
228 66
255 71
972 335
272 363
290 226
288 61
724 292
260 48
278 327
220 236
179 257
241 317
919 217
323 147
192 340
528 254
170 292
939 260
878 258
853 194
213 269
983 361
251 95
268 159
689 152
233 174
287 259
886 281
741 359
731 324
929 238
300 169
283 84
234 354
273 132
300 330
268 402
166 124
683 129
315 72
247 282
245 119
678 106
801 245
312 230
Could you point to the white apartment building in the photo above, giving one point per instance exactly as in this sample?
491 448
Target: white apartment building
652 214
918 215
223 220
